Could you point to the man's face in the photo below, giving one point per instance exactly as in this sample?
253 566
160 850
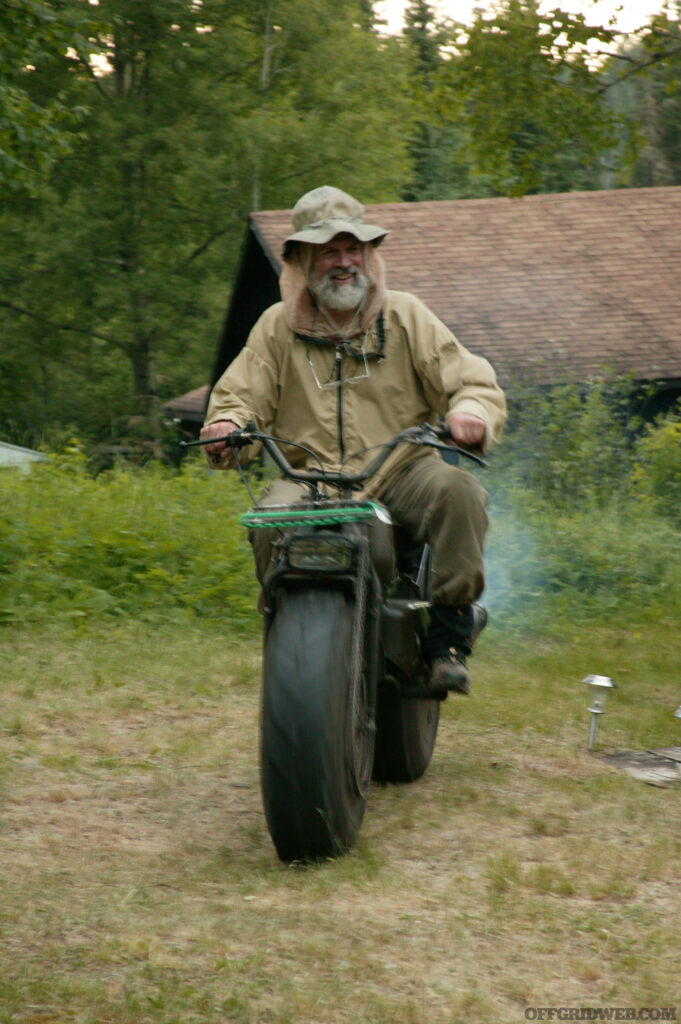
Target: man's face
338 277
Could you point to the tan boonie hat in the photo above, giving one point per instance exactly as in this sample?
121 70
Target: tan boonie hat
325 212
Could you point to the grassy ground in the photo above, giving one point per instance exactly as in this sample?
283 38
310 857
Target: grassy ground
140 884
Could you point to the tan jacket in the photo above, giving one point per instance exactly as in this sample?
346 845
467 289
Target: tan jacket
425 374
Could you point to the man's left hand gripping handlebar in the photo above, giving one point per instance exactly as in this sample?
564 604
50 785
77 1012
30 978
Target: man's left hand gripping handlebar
466 430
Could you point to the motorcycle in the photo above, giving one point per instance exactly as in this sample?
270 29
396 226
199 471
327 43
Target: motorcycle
344 682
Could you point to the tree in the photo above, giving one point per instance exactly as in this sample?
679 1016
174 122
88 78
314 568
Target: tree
116 281
656 99
35 130
436 156
522 87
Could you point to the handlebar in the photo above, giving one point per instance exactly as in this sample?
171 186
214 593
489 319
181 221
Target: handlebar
424 435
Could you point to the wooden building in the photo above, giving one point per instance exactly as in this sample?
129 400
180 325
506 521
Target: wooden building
549 288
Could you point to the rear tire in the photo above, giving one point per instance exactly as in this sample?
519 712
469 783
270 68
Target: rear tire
317 737
406 730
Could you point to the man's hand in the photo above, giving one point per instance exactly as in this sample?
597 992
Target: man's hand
466 430
218 454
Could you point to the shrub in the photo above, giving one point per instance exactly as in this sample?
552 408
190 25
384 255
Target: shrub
657 473
570 445
150 542
584 521
585 515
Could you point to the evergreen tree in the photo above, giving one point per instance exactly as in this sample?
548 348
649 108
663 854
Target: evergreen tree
437 147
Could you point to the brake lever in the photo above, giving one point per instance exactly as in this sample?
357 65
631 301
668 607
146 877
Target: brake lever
442 431
432 443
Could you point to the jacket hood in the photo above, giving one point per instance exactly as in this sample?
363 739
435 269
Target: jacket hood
301 312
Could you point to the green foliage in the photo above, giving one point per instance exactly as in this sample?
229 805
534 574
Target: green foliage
526 98
584 522
571 445
546 565
36 127
657 474
602 558
656 101
585 510
116 281
442 166
150 543
529 100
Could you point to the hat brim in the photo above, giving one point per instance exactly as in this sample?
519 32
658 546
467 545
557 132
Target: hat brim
319 234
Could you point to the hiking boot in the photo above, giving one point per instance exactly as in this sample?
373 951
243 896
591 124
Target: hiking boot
449 673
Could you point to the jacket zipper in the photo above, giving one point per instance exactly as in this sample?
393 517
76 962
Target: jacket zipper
339 405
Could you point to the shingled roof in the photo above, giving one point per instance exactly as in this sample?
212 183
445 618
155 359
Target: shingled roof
552 285
548 287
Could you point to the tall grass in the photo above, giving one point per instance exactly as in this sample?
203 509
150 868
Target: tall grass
147 542
585 522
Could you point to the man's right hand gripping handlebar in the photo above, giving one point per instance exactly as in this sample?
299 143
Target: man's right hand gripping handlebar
220 453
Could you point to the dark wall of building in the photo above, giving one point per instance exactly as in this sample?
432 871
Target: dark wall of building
256 288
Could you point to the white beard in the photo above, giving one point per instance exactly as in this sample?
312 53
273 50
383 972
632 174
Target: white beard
340 298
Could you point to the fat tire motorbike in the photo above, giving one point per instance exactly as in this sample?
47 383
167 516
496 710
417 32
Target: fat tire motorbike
344 695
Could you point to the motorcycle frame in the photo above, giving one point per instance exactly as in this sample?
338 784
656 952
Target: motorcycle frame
405 656
392 627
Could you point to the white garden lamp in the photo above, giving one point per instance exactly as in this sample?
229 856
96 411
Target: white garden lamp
599 688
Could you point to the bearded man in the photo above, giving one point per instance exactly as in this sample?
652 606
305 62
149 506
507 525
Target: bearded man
342 364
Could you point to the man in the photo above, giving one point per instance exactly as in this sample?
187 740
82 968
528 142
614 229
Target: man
342 364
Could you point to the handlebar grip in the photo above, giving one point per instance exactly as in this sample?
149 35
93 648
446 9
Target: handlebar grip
239 438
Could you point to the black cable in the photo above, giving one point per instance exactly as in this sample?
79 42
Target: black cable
244 480
294 444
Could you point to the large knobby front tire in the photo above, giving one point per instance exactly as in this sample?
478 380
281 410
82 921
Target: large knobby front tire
317 733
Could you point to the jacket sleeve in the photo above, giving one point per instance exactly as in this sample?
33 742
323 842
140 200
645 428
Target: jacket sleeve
248 388
453 378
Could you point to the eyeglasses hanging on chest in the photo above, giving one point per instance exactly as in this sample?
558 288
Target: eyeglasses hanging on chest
336 378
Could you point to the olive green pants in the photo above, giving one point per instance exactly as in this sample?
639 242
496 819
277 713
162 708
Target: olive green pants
437 503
